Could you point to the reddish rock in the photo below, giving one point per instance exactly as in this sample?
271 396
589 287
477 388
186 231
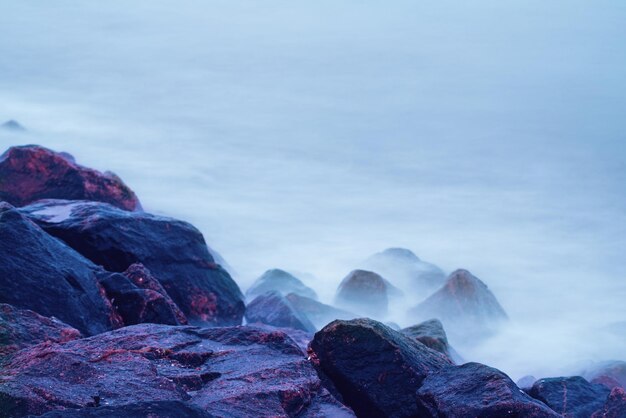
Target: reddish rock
615 405
29 173
572 397
609 373
20 328
364 292
227 372
40 273
318 313
272 308
174 251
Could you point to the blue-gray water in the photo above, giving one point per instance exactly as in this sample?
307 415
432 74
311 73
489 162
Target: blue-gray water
487 135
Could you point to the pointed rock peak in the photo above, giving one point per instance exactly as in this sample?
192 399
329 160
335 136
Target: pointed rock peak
280 281
464 281
13 125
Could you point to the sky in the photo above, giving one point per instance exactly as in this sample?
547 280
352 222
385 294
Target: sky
309 135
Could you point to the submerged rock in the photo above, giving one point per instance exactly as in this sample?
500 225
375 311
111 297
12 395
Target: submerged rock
363 292
40 273
376 370
174 251
279 281
476 390
271 308
464 304
227 372
12 125
432 335
20 328
573 397
318 313
29 173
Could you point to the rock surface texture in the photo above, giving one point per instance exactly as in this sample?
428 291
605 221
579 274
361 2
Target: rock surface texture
572 397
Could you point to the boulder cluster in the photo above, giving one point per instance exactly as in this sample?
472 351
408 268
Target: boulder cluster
109 311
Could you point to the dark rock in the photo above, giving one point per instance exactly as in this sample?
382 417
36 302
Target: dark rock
475 390
464 304
609 373
301 338
415 277
174 251
363 292
12 125
615 406
432 335
29 173
158 409
272 308
20 328
318 313
279 281
40 273
572 397
376 370
227 372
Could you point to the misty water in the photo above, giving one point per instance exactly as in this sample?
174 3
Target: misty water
309 135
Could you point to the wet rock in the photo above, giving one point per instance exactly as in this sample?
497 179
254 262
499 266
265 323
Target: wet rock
40 273
272 308
432 335
415 277
572 397
29 173
376 370
20 328
279 281
227 372
174 251
476 390
156 409
464 305
318 313
615 405
363 292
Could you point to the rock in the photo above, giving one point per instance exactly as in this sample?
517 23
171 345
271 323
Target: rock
40 273
615 406
174 251
280 281
609 373
156 409
432 335
415 277
573 397
272 308
12 125
464 304
526 382
475 390
20 328
363 292
29 173
227 372
376 370
318 313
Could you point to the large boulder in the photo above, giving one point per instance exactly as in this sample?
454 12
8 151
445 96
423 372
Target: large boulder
572 397
226 372
41 273
20 328
279 281
29 173
375 369
417 278
174 251
318 313
364 292
464 304
432 335
272 308
615 405
476 390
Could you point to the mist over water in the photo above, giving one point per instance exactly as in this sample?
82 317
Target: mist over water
308 136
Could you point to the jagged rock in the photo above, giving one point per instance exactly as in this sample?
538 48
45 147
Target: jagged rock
40 273
227 372
415 277
376 370
572 397
279 281
29 173
476 390
272 308
609 373
464 304
318 313
20 328
363 292
174 251
432 335
12 125
158 409
615 405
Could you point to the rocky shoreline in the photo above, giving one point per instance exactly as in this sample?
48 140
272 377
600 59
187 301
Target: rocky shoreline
108 311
